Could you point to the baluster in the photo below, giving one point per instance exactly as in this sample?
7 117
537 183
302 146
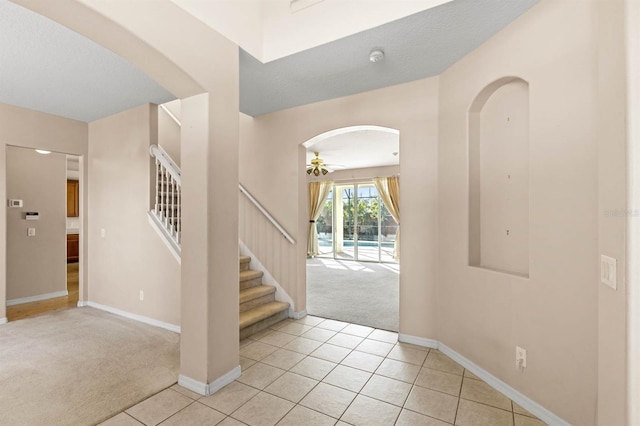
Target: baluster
155 208
171 205
164 195
179 227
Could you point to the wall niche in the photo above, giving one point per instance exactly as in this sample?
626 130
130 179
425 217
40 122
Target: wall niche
499 177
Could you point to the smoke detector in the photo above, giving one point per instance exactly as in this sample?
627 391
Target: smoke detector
376 55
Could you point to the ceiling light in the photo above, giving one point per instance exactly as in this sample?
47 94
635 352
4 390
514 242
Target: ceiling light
43 151
376 55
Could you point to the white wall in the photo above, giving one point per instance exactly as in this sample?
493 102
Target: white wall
36 265
130 257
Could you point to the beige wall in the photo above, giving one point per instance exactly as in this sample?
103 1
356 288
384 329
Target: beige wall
270 146
612 210
553 314
169 135
31 129
130 257
36 265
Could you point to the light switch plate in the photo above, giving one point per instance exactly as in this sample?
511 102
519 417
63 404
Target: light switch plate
608 271
31 232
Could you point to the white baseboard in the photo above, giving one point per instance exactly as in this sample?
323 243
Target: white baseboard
82 303
4 320
419 341
136 317
511 393
297 315
38 298
210 388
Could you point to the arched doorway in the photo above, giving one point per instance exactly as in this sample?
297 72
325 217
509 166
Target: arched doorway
353 266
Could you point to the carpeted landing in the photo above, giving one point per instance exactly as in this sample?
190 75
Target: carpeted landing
81 366
357 292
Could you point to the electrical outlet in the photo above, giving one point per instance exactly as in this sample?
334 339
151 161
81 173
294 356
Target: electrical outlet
141 295
521 358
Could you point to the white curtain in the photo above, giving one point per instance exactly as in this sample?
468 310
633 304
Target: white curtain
389 191
318 193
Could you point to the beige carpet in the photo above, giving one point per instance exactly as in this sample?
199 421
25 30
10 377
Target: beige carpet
357 292
80 367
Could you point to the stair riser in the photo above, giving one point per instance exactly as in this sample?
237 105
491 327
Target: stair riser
261 325
250 304
254 282
244 266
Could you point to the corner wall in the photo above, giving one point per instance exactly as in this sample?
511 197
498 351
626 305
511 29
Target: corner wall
553 314
128 256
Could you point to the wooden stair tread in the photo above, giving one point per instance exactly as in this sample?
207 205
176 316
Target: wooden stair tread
245 259
261 312
255 292
250 274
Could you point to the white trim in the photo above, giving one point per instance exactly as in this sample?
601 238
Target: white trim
211 388
3 320
135 317
38 298
297 315
524 401
170 114
419 341
82 304
168 241
267 278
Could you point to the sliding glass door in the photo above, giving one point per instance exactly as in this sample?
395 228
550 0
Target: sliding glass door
355 225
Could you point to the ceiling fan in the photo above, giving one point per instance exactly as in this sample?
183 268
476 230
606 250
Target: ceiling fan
318 166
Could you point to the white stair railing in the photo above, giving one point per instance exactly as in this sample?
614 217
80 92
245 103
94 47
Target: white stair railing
167 211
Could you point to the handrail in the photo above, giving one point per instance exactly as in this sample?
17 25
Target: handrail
266 214
162 156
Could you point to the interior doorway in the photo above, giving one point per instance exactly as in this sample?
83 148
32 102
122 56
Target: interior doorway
354 275
43 216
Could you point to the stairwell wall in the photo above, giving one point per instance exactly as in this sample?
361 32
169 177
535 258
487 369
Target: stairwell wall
126 254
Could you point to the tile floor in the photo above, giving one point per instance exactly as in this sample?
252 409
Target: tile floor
325 372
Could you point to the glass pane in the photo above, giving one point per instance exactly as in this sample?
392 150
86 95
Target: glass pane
345 223
368 204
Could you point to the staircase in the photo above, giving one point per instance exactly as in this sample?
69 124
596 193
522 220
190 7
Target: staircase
258 307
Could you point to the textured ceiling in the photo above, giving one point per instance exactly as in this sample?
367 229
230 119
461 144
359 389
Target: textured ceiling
49 68
418 46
